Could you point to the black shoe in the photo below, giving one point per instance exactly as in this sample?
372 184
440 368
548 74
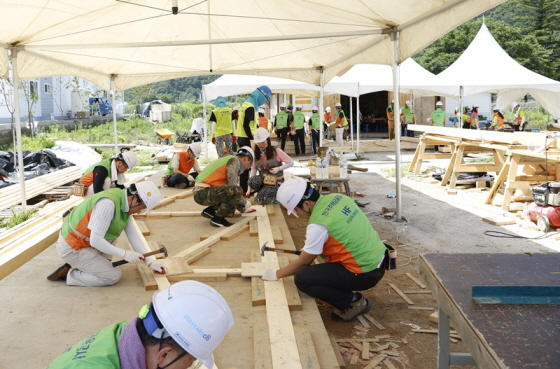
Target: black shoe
60 274
209 212
219 222
352 312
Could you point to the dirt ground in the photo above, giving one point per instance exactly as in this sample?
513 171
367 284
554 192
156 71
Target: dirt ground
435 222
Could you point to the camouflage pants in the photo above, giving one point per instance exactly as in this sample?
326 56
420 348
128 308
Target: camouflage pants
224 142
224 199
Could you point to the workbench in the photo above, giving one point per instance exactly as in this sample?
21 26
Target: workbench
497 335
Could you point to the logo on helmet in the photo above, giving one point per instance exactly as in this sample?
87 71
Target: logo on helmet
197 329
148 194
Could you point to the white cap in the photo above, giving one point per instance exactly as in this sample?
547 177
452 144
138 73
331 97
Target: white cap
130 159
196 148
496 108
328 109
283 106
514 104
196 316
261 111
290 193
261 135
407 102
148 193
439 103
246 150
236 107
178 147
338 105
314 108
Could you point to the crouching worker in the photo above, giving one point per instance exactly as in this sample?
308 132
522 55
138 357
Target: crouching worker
183 168
270 162
87 235
185 322
108 173
340 232
217 187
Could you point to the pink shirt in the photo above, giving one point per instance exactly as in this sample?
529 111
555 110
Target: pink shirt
280 155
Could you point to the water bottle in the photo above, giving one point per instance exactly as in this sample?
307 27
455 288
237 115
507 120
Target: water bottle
343 165
326 167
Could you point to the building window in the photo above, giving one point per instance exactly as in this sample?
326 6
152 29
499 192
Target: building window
47 88
33 87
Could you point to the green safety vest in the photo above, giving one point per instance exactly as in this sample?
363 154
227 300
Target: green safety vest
281 119
97 351
408 114
240 130
344 120
438 117
223 124
79 218
215 173
106 163
299 119
352 240
315 121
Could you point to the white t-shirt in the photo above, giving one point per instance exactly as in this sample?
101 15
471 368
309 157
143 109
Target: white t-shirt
315 238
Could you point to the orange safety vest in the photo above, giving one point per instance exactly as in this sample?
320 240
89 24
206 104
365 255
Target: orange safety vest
263 122
185 164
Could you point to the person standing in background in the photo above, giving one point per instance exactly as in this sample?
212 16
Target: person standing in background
263 122
298 125
222 127
315 129
281 125
391 119
518 116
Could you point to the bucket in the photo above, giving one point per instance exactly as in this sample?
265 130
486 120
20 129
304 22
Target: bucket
79 189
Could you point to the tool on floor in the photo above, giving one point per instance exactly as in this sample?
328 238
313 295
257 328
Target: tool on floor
161 250
266 248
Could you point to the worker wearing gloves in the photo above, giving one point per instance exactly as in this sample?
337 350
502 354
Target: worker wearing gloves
314 129
166 333
183 167
108 173
298 126
340 232
263 122
222 127
216 187
281 125
341 124
88 233
518 116
271 162
497 119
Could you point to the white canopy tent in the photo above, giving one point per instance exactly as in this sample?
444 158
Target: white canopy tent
485 67
123 44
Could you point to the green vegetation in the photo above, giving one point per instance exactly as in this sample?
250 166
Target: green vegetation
16 218
392 172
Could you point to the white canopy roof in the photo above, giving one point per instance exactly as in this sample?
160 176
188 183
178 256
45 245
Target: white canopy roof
141 41
485 67
366 78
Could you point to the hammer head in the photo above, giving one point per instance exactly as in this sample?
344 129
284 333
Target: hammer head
164 250
264 248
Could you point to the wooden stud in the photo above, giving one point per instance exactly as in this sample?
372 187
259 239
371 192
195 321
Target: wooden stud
401 294
415 280
234 233
307 352
365 351
143 228
205 277
277 235
498 221
337 353
253 228
261 347
374 322
363 322
197 255
257 284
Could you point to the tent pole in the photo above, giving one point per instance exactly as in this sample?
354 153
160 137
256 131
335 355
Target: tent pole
358 122
204 117
351 121
460 112
321 109
21 169
115 131
396 89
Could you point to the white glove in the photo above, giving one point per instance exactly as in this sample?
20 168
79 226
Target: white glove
274 170
190 178
269 274
247 206
133 257
157 267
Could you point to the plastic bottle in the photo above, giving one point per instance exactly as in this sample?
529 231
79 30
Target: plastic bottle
343 166
326 167
319 168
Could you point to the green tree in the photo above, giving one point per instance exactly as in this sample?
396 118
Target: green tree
31 96
139 94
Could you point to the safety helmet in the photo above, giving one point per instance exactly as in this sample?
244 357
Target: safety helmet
148 193
496 108
196 316
283 106
392 101
514 104
236 107
407 102
338 105
196 148
265 91
290 106
220 101
261 135
314 109
261 111
298 107
439 103
129 158
246 151
328 109
291 192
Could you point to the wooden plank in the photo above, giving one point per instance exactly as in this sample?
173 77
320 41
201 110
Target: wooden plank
401 294
261 347
197 255
374 322
365 351
307 353
253 228
175 266
417 292
364 322
253 269
415 280
377 360
234 233
292 292
498 221
270 210
337 353
147 277
210 277
143 228
257 284
277 235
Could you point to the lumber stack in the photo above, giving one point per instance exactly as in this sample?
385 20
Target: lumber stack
11 195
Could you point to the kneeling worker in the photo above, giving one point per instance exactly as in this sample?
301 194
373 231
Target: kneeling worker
217 187
341 232
185 322
108 173
183 162
87 235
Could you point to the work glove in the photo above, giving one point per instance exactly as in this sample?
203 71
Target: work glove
274 170
213 140
133 257
190 178
269 274
293 132
248 194
246 207
234 139
157 267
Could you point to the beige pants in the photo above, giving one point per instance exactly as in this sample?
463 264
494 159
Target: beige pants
391 128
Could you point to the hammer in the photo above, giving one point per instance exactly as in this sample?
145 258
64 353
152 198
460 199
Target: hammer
162 249
266 248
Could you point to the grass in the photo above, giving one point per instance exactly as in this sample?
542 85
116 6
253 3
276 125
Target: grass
16 218
392 172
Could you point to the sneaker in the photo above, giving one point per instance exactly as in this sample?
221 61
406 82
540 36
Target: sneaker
352 312
181 185
209 212
219 222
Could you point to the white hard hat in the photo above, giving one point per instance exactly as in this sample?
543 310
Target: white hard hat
439 103
290 193
338 105
496 108
196 316
392 101
407 102
261 111
298 107
130 159
283 106
514 104
261 135
247 151
148 193
328 109
236 107
314 108
196 148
